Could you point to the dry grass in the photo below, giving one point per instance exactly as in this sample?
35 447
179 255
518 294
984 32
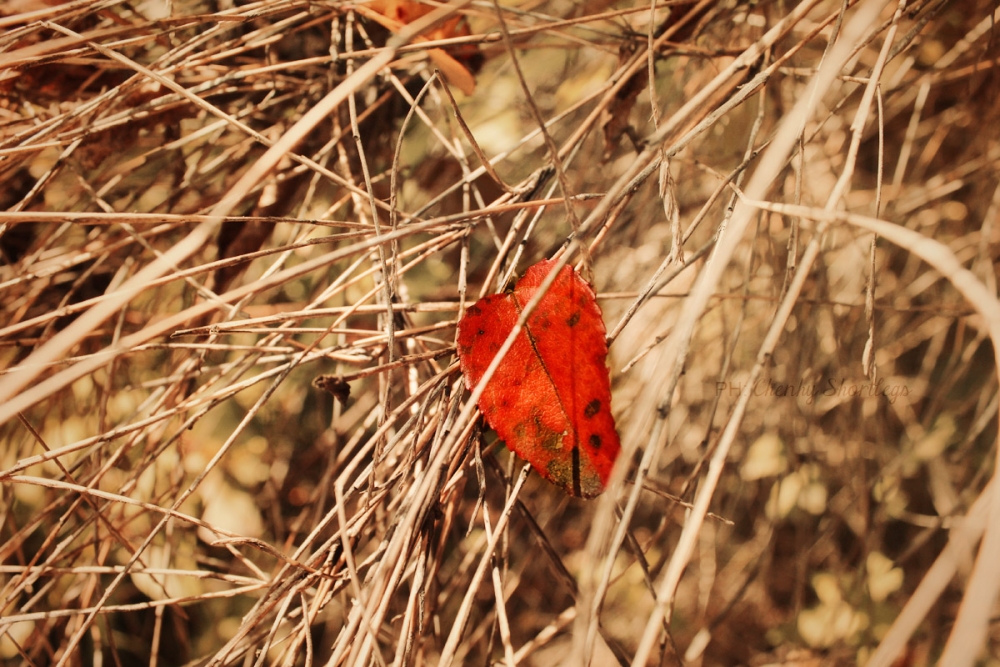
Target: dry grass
792 225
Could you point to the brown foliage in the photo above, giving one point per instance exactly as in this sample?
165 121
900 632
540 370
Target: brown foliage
176 271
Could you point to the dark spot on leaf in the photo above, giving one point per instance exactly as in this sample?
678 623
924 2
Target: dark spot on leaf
592 408
475 311
573 319
520 430
576 472
545 436
595 441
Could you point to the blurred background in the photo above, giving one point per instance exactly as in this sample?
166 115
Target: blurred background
174 488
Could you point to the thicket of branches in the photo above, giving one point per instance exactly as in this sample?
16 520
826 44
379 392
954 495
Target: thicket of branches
790 212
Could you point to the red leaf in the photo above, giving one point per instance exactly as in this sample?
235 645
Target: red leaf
550 398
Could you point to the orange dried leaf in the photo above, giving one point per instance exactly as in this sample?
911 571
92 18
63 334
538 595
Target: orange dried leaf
394 14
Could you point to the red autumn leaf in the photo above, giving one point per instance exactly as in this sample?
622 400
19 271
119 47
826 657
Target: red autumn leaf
550 398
